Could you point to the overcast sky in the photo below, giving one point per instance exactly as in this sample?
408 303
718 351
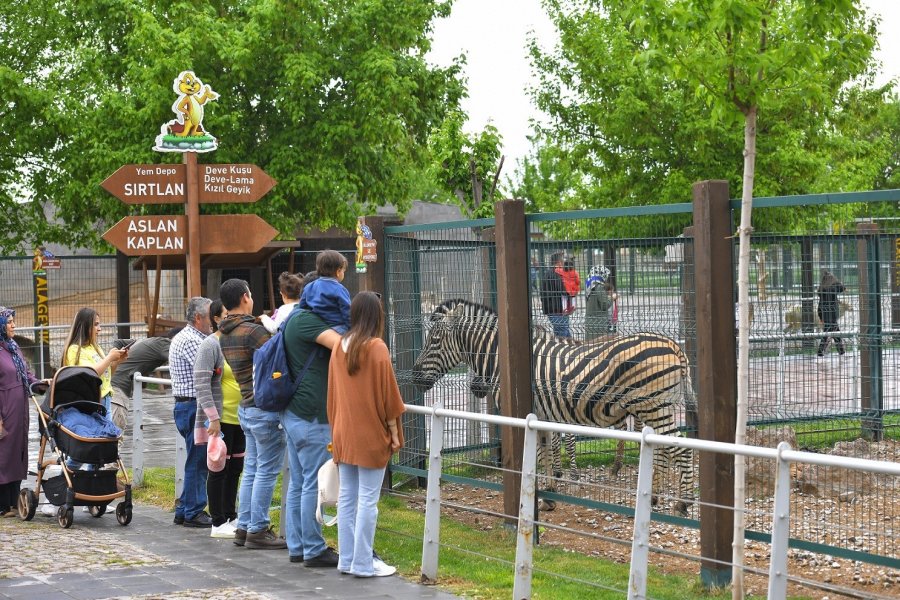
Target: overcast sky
493 34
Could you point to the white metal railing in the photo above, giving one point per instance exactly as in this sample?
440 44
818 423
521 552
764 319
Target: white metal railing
137 438
637 584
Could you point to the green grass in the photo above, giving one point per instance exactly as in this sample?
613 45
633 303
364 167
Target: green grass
478 564
823 434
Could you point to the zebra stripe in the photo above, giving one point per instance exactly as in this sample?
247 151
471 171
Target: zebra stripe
597 383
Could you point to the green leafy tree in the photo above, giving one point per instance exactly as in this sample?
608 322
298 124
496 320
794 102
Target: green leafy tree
641 130
333 98
467 165
742 57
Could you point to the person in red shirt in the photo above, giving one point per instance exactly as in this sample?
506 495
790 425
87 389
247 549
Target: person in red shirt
571 282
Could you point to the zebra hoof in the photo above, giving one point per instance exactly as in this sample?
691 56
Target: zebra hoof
546 505
614 470
654 500
558 474
575 475
681 508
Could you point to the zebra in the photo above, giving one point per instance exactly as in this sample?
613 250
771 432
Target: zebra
597 383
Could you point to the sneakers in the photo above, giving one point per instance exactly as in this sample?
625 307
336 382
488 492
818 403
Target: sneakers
380 569
296 559
225 531
201 520
328 558
48 510
240 537
178 520
265 540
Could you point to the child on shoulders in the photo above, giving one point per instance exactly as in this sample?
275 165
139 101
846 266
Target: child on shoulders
326 297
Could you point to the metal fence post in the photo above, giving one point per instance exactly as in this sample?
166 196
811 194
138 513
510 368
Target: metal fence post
643 507
781 525
525 535
137 430
431 537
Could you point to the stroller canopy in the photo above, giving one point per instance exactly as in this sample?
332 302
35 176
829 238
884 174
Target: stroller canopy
73 384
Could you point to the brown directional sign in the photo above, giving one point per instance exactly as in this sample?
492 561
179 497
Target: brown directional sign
232 183
147 184
166 184
152 235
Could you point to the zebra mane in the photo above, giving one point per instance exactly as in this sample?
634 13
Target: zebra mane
447 306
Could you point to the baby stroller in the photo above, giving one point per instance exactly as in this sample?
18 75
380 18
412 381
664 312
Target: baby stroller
76 388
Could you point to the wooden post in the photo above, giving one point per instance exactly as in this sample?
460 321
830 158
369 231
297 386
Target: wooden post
373 280
716 374
870 328
192 210
123 295
514 341
807 292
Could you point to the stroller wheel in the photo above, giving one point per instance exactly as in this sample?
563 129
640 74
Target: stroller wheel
27 504
65 517
123 514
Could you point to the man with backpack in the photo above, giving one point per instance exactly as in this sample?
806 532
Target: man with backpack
308 342
241 335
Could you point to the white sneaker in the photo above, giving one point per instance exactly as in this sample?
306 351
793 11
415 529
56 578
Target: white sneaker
48 510
382 569
225 530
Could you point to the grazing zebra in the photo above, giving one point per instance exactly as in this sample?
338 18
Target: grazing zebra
597 384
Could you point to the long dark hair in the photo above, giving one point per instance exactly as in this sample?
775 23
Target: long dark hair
81 334
366 323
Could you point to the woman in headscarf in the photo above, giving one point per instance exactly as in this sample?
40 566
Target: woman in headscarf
15 389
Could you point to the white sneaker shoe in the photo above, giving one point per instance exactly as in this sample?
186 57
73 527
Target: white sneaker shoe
225 530
382 569
48 510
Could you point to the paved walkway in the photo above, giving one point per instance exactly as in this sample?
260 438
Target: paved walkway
152 558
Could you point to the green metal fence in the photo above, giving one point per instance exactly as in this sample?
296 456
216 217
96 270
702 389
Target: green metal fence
844 403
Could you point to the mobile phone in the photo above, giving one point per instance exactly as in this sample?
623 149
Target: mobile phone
128 345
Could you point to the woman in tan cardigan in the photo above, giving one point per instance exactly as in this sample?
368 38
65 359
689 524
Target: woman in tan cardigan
364 408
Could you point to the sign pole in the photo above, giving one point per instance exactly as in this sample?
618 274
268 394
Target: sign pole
192 210
41 320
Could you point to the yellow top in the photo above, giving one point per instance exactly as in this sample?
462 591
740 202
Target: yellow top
90 356
231 396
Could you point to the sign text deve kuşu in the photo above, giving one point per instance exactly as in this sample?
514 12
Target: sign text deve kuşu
166 184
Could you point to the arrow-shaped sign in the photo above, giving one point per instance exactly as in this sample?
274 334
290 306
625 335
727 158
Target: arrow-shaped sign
152 235
167 184
232 183
147 184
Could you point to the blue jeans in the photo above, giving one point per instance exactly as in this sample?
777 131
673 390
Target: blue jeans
560 325
357 516
307 451
193 495
265 455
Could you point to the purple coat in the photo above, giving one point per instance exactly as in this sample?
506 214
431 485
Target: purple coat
14 410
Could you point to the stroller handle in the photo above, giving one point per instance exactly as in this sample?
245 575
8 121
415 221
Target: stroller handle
39 388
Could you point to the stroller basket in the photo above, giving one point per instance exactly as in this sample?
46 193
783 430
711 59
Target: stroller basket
89 483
